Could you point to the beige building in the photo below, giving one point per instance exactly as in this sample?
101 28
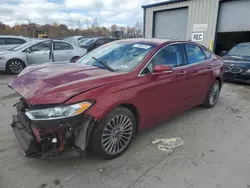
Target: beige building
217 24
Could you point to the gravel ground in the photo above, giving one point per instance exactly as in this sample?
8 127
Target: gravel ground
215 152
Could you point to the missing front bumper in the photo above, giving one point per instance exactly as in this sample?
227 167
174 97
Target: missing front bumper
71 137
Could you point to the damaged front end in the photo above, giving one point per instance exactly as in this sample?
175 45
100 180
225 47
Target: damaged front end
51 138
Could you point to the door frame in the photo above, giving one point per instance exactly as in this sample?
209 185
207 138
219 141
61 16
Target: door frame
51 52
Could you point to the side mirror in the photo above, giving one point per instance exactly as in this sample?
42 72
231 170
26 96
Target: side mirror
162 69
28 50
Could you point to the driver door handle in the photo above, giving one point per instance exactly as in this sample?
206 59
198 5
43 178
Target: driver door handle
182 73
209 66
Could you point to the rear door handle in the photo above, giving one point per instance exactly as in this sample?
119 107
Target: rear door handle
209 66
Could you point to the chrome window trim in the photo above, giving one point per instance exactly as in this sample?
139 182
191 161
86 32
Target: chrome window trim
203 49
184 66
140 74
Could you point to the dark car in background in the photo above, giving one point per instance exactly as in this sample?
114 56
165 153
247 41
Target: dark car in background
237 64
93 43
110 94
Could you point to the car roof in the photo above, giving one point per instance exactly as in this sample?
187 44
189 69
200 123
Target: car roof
155 41
73 37
13 36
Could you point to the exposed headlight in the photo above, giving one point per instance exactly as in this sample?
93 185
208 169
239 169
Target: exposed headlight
2 58
248 71
58 112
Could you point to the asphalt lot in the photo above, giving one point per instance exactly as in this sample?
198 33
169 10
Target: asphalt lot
215 152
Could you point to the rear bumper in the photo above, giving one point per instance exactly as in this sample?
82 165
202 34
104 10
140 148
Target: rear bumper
64 138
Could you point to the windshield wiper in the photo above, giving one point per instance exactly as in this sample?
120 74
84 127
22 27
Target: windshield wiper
104 64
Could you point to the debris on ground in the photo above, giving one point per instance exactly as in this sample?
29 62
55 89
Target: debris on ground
211 150
43 185
194 163
168 144
235 110
2 150
100 170
57 182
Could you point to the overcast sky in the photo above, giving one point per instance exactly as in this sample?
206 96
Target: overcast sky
73 13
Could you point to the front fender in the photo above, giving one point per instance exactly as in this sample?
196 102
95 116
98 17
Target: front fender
105 101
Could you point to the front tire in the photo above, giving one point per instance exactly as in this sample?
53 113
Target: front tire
14 66
213 95
114 134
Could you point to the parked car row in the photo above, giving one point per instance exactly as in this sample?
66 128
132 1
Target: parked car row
18 52
36 52
7 42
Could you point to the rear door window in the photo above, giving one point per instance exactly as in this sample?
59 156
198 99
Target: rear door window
62 46
13 41
194 54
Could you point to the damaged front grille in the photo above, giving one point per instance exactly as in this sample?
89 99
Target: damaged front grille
51 138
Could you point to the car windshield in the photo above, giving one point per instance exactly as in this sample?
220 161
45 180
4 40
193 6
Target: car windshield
90 41
83 40
20 47
122 56
240 50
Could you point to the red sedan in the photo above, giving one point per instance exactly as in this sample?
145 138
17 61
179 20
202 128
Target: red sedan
104 99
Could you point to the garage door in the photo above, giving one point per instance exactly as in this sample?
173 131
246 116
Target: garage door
171 24
234 16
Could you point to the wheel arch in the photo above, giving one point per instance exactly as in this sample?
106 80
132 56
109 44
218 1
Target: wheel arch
219 80
74 57
134 111
15 59
131 107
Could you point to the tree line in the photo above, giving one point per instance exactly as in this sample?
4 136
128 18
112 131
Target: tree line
60 30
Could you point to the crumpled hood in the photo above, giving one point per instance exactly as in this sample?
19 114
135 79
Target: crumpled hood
54 84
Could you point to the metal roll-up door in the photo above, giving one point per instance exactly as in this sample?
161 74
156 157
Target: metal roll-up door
171 24
234 16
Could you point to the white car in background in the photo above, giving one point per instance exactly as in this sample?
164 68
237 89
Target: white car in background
73 40
7 41
37 52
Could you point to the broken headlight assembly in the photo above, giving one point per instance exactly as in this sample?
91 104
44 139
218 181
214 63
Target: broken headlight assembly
59 112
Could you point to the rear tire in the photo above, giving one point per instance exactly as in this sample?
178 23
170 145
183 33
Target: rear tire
213 95
114 134
14 66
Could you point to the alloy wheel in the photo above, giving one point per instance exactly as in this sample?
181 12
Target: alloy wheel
214 94
15 67
117 134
